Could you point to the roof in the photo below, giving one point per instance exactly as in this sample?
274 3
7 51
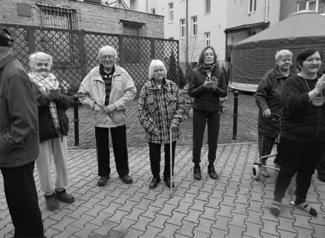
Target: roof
307 24
247 26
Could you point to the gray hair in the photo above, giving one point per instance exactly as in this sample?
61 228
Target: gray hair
154 64
107 49
282 53
39 55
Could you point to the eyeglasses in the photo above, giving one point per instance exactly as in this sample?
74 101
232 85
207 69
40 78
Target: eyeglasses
109 57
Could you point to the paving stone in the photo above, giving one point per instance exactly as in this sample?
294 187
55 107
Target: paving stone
167 210
270 227
68 232
132 233
198 205
187 228
160 201
302 221
134 214
104 229
85 230
124 225
151 232
286 224
80 223
201 234
319 230
218 233
235 231
287 234
225 211
169 230
150 212
63 223
128 206
209 213
238 220
204 226
193 216
228 201
117 217
252 230
176 218
100 218
221 223
159 221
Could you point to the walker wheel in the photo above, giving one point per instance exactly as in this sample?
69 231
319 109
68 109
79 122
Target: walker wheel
256 171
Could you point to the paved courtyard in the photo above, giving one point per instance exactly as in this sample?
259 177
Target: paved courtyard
233 206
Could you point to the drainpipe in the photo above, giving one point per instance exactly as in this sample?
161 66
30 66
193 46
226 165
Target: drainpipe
266 12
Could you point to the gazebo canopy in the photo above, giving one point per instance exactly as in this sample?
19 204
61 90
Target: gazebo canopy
254 56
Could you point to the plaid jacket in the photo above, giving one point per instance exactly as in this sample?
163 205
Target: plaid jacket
158 108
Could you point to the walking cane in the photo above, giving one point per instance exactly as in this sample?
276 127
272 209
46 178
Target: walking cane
171 161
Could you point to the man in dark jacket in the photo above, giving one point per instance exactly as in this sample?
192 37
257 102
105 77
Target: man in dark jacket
19 142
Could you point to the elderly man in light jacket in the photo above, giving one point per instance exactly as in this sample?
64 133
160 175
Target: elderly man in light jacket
106 90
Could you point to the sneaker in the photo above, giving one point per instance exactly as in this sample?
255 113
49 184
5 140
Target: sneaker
197 172
212 172
127 179
264 171
51 202
102 181
63 196
275 208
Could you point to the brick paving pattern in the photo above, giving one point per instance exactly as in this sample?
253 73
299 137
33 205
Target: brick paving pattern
233 206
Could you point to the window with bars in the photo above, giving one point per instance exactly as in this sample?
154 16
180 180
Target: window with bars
171 11
58 17
194 26
252 6
182 27
312 5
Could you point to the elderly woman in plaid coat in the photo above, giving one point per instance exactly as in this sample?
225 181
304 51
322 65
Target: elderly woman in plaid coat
160 110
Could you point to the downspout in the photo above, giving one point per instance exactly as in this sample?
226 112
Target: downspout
266 11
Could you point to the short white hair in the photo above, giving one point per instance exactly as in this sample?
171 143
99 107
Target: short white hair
155 63
282 53
39 56
108 50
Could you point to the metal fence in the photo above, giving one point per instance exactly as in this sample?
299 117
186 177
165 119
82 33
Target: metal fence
75 52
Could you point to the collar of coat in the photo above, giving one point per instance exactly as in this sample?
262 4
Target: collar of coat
117 72
6 55
154 86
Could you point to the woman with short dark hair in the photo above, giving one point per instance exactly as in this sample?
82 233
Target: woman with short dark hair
302 132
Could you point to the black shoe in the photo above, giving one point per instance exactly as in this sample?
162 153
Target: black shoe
154 182
127 179
197 172
63 196
212 172
167 182
51 202
102 181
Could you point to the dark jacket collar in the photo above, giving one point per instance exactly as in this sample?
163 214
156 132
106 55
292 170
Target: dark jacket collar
6 55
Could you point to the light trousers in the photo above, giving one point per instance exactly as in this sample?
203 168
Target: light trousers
57 149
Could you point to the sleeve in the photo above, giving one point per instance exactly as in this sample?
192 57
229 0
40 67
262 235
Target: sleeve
181 110
195 90
129 92
293 97
145 118
221 89
262 92
84 92
22 111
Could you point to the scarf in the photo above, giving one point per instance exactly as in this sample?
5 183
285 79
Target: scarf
45 84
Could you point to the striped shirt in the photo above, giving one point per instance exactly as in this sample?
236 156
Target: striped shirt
107 77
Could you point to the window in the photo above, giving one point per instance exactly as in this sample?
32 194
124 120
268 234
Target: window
171 11
207 38
194 26
252 6
182 27
311 5
207 6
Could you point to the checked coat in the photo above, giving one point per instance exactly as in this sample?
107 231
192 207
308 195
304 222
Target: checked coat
158 108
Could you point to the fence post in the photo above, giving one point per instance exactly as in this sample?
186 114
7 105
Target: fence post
235 115
76 120
121 50
152 48
30 39
82 53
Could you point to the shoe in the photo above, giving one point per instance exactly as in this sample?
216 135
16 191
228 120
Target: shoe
264 171
275 208
197 172
102 181
212 172
154 182
127 179
63 196
51 202
167 182
321 176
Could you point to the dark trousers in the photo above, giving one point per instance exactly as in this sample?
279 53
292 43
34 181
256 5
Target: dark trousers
22 200
320 166
119 148
199 121
265 144
155 155
297 157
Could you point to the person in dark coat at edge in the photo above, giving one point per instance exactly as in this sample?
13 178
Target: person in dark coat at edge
302 132
19 142
207 83
268 100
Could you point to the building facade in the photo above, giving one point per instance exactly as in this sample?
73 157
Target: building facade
292 6
89 15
